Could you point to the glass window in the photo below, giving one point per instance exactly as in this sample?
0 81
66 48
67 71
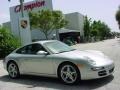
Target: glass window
31 49
58 47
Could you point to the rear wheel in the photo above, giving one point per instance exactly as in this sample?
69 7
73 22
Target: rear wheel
13 70
69 73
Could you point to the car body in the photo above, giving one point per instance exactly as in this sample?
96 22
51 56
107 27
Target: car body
50 57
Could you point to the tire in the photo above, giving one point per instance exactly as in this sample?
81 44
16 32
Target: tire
69 74
13 70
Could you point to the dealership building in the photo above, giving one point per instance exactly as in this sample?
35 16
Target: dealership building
74 28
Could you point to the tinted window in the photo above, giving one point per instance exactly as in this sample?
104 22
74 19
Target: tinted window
30 49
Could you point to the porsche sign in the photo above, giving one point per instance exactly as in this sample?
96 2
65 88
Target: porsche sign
30 6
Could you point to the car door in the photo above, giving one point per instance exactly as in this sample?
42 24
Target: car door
33 63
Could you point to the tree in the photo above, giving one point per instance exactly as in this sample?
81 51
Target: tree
101 29
47 21
94 29
94 33
118 17
87 28
8 42
104 31
115 34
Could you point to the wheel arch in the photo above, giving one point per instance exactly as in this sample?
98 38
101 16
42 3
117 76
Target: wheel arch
10 62
68 62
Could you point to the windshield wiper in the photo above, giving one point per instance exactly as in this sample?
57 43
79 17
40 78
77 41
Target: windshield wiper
72 49
67 51
63 51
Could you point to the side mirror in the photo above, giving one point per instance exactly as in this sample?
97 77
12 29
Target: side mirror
42 53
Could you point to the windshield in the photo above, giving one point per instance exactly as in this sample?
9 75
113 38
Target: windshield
58 47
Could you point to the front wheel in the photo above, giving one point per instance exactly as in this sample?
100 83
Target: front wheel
13 70
69 74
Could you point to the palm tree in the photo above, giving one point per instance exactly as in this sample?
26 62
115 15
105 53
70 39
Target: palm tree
118 17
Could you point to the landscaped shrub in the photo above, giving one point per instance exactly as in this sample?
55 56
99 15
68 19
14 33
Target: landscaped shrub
8 42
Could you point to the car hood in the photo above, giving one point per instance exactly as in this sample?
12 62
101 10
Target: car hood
96 56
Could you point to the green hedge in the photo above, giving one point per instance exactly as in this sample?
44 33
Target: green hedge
8 42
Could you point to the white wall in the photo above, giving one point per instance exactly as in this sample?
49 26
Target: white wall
36 34
75 21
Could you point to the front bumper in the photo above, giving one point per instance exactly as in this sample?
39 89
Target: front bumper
94 74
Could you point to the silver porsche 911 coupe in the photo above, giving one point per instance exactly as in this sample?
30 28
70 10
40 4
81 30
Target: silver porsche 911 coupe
55 59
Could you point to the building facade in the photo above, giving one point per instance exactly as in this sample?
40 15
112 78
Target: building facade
73 29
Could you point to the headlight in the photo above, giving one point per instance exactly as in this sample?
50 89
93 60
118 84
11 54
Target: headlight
90 61
97 68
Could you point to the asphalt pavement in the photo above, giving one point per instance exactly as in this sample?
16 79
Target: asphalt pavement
110 47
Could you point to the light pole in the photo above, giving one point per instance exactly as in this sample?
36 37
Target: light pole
21 6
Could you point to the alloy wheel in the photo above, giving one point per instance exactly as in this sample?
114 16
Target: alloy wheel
68 74
13 70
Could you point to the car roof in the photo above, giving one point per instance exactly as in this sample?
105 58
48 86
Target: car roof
45 41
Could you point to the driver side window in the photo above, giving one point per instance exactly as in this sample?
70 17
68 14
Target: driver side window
31 49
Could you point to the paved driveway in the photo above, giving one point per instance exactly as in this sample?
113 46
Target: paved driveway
109 47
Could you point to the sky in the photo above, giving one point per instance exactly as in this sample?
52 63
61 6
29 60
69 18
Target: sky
103 10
